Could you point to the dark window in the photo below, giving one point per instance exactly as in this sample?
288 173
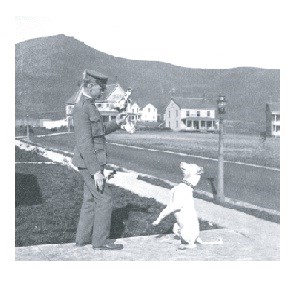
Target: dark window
187 113
105 118
208 113
198 113
203 123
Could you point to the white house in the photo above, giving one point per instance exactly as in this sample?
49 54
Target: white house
112 94
191 114
135 110
48 123
273 119
149 113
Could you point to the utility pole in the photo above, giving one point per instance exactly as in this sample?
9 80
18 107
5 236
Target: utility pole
28 129
220 189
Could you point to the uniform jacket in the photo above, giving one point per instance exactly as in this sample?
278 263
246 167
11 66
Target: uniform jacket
90 149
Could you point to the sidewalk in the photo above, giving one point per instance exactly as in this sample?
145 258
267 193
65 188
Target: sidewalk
245 237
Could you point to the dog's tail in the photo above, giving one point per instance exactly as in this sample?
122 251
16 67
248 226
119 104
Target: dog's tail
217 242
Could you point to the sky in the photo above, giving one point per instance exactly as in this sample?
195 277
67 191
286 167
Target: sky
218 34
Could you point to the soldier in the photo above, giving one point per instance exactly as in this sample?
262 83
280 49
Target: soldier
90 158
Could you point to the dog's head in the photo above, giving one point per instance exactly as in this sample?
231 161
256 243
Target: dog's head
191 169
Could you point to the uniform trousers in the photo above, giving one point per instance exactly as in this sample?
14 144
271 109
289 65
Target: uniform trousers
95 214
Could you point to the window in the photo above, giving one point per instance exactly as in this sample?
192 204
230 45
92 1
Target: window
187 113
208 113
209 124
99 105
176 113
148 110
198 113
169 114
189 123
278 117
277 129
203 123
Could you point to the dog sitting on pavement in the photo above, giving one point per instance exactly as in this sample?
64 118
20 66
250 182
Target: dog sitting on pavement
182 205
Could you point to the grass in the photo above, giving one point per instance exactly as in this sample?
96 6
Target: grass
245 148
48 201
25 156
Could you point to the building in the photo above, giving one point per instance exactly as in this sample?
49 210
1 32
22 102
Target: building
112 94
148 113
273 119
191 114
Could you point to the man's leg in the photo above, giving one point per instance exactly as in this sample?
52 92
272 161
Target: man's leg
102 209
86 220
102 219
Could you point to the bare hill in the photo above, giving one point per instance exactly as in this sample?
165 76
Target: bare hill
49 68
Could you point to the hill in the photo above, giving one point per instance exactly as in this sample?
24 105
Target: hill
48 70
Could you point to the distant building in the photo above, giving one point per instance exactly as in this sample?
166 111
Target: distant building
148 113
48 123
112 94
273 119
135 110
191 114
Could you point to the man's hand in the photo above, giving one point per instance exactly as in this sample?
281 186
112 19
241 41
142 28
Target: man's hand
121 119
99 180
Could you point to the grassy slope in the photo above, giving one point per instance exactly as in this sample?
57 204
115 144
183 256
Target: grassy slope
48 201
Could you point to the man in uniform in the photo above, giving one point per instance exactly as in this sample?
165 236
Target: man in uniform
90 158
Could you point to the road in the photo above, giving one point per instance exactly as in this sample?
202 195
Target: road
256 185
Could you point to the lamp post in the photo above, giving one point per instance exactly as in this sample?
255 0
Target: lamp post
221 110
28 128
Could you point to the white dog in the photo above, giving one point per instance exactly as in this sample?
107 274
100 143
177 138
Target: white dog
182 205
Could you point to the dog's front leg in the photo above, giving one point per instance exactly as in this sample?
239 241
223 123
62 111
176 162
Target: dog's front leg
168 210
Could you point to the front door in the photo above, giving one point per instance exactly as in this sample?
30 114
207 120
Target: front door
196 124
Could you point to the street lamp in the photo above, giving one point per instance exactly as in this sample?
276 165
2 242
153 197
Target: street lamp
28 128
221 102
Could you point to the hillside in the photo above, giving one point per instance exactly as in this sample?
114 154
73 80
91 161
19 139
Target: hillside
49 68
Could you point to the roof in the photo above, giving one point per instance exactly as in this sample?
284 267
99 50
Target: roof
110 88
194 103
274 107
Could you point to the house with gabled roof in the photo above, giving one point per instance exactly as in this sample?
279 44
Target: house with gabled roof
191 114
149 113
273 119
112 94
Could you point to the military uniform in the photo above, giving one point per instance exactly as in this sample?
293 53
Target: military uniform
90 157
